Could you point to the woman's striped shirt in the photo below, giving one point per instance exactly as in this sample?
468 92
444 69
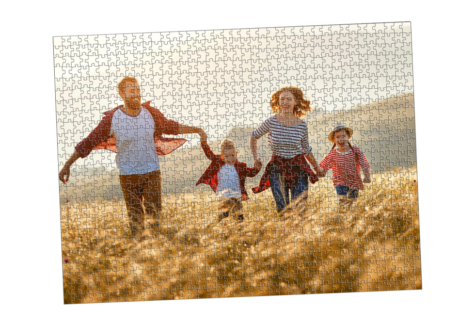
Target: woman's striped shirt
285 141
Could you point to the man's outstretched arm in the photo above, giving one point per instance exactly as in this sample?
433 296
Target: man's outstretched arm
185 129
64 173
84 148
169 126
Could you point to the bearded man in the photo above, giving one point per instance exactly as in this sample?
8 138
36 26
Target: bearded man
134 131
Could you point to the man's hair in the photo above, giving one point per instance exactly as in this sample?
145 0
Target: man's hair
227 144
124 81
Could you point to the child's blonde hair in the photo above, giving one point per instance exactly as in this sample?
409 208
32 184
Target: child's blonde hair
227 144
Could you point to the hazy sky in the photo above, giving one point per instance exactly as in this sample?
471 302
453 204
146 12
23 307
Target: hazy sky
224 78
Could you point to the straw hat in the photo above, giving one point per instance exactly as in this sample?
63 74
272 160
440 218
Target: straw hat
338 128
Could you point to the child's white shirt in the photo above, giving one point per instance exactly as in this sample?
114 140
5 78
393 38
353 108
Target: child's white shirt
228 182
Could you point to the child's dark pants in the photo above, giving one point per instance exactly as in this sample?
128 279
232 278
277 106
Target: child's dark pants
229 205
346 196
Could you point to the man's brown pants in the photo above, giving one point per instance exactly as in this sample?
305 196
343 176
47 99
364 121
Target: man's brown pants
138 188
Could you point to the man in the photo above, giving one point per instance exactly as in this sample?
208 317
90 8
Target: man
134 131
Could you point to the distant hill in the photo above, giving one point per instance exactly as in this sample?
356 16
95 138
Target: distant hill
384 130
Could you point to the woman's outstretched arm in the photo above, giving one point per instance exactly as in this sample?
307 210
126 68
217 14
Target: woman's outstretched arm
313 162
253 144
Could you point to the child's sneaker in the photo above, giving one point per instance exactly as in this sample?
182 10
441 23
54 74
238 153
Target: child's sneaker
223 216
343 205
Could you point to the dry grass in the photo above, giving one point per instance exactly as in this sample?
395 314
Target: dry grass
373 247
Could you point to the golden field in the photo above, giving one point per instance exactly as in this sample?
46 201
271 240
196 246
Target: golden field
375 246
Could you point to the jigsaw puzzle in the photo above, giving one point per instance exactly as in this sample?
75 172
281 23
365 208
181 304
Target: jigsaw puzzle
236 163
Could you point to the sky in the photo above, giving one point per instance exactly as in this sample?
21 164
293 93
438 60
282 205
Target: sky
225 78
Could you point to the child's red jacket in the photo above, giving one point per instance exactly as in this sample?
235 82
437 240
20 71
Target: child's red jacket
210 176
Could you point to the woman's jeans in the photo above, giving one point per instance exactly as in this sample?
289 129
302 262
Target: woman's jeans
281 191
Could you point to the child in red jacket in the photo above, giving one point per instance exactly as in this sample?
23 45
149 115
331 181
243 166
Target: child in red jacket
227 177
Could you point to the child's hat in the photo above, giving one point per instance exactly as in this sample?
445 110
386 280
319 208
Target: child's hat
338 128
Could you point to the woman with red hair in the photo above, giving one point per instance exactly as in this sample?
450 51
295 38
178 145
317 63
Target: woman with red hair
288 170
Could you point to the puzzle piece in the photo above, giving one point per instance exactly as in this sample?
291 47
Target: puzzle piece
247 162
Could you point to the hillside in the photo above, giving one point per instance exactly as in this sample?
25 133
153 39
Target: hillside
385 130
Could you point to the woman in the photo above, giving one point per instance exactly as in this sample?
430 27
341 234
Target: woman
287 170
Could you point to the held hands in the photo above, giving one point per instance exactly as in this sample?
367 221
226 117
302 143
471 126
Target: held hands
320 171
257 163
203 135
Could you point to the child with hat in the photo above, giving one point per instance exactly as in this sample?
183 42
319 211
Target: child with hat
346 160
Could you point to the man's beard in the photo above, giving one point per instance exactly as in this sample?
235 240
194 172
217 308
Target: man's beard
133 102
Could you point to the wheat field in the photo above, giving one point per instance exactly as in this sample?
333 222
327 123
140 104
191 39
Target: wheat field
375 246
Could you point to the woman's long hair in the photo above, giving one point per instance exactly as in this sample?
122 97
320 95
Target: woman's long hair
302 106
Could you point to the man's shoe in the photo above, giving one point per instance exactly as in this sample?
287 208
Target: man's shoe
155 225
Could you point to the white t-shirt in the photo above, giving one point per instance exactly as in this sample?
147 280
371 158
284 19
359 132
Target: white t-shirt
228 182
136 153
